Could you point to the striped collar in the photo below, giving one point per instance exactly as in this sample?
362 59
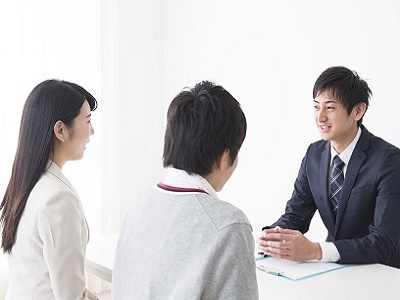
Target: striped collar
180 189
179 181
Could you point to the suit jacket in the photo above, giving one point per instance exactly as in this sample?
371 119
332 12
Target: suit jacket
47 260
367 225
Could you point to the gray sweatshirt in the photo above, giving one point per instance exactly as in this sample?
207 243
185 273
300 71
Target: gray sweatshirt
185 245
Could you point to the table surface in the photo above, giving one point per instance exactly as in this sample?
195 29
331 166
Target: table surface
365 282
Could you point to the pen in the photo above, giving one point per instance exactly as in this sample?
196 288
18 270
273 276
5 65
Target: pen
271 271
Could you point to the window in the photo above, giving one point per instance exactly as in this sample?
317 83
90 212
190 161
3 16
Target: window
69 40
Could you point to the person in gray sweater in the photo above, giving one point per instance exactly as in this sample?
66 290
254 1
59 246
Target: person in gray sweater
180 241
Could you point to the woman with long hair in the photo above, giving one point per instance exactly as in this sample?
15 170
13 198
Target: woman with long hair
44 230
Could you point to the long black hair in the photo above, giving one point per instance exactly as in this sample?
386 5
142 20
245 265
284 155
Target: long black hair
49 101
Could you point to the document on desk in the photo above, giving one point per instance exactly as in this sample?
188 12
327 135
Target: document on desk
295 271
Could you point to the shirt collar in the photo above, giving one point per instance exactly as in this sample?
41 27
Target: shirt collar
179 178
346 153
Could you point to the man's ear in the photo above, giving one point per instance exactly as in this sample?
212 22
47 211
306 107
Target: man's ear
60 130
223 159
360 110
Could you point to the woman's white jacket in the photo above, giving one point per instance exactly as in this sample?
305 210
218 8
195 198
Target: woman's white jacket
47 260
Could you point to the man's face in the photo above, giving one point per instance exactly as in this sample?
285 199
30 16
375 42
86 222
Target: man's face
333 121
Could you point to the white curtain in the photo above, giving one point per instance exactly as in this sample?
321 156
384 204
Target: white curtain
70 40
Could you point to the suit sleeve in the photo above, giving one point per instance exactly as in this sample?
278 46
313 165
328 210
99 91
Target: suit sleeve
233 269
61 227
381 244
301 207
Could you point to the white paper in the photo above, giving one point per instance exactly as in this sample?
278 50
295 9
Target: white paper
295 270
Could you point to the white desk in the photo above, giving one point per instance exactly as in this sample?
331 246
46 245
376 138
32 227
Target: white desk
367 282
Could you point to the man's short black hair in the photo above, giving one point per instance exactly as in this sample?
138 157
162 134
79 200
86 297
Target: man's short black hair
202 123
344 86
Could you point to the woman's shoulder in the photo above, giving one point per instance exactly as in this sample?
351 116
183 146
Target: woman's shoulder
53 192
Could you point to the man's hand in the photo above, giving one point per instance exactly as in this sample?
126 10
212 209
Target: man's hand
288 244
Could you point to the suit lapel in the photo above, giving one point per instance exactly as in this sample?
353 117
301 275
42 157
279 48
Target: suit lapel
329 218
356 161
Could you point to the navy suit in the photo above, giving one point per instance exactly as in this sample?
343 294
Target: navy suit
367 226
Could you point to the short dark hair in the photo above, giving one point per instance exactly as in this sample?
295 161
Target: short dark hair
202 123
345 86
49 101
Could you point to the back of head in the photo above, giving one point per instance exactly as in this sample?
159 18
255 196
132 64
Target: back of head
202 123
49 101
344 86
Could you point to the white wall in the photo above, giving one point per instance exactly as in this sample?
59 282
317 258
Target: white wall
141 111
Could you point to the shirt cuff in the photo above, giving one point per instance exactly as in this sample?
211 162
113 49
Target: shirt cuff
329 252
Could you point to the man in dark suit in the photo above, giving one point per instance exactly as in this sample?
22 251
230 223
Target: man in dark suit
350 176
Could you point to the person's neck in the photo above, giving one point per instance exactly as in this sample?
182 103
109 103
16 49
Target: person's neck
58 161
340 146
214 180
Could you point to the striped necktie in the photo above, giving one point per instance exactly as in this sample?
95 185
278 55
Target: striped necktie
337 179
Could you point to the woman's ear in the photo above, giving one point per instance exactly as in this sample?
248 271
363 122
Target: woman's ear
60 130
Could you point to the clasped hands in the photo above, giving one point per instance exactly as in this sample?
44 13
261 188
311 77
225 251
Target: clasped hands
288 244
